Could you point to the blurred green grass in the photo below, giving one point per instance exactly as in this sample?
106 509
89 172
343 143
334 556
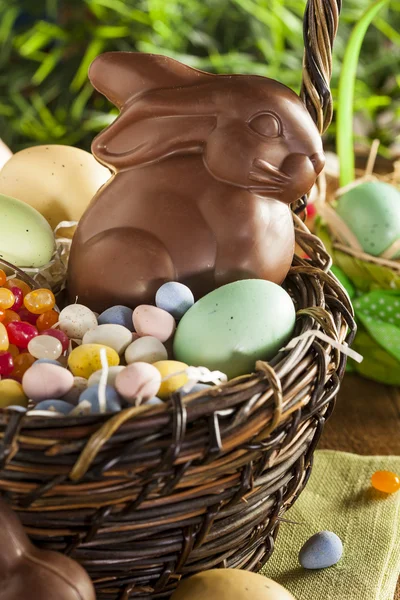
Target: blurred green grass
46 47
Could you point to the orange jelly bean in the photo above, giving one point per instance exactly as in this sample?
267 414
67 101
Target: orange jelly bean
3 277
39 301
47 320
24 287
7 298
13 350
22 363
2 315
10 316
386 481
4 342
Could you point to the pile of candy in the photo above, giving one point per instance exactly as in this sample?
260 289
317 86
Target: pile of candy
51 361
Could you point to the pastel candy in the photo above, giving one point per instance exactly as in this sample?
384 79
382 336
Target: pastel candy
146 349
75 320
45 346
322 550
114 336
80 384
172 382
154 401
153 321
47 361
174 297
94 379
138 382
12 394
43 381
57 406
117 315
85 360
91 395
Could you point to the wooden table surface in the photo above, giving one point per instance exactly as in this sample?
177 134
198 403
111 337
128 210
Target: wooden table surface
366 420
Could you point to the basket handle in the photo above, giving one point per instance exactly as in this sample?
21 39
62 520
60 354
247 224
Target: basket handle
321 20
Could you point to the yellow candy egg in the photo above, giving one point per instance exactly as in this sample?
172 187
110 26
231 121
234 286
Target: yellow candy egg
170 385
85 360
12 394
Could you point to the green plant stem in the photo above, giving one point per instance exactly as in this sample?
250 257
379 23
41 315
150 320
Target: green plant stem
344 131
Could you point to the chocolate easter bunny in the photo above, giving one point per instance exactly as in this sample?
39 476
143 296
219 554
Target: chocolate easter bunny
205 169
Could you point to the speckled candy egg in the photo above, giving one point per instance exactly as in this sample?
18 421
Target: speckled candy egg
91 396
94 379
372 212
117 315
12 394
153 321
236 325
86 359
80 384
173 375
146 349
56 406
75 320
113 336
26 239
323 549
175 298
43 381
138 382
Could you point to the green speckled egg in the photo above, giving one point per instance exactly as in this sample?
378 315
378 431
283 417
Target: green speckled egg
26 238
234 326
372 212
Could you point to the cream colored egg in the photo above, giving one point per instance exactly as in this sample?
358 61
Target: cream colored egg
59 181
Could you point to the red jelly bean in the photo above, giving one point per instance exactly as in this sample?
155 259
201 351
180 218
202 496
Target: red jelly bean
6 364
19 297
20 333
60 335
27 316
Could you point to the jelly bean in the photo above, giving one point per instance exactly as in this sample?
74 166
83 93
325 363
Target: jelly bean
172 382
117 315
2 315
113 336
80 384
91 395
94 379
27 316
21 333
322 550
4 340
47 320
75 320
6 364
19 297
153 321
175 298
56 406
6 298
3 277
138 382
45 346
85 360
13 350
15 282
12 394
146 349
39 301
22 363
10 316
43 381
59 335
386 481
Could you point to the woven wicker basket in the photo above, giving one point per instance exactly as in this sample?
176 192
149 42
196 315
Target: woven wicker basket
155 493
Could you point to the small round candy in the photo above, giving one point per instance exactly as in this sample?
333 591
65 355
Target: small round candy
117 315
91 395
6 364
4 340
39 301
85 360
138 382
386 481
45 346
75 320
80 384
175 298
6 298
47 320
10 316
21 333
56 406
59 335
3 277
19 297
153 321
166 369
113 336
146 349
322 550
94 379
43 381
15 282
12 393
27 316
22 363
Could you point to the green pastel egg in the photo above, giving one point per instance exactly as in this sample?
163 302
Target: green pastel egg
234 326
372 212
26 238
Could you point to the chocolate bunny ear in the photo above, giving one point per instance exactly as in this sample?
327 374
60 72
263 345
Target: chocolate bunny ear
122 75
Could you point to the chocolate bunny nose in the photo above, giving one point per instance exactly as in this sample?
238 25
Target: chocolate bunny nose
318 160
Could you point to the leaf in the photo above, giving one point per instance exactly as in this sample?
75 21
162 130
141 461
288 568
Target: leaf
377 364
364 275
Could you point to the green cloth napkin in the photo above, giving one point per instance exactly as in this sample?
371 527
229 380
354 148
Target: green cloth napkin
339 498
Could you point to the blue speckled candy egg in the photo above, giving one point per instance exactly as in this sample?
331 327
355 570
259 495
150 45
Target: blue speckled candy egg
175 298
234 326
48 361
372 212
117 315
91 394
58 406
322 550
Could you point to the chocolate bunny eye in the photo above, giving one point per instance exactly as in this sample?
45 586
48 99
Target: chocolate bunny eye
266 124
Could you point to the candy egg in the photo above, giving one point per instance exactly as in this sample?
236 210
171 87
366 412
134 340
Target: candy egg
56 406
85 360
43 381
39 301
6 364
386 482
117 315
322 550
91 395
94 379
154 401
75 320
236 325
21 333
172 382
4 341
175 298
80 384
138 382
12 393
113 336
45 346
153 321
48 361
26 239
372 211
146 349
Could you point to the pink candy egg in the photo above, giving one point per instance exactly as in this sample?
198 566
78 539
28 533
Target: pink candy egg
153 321
138 382
43 381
